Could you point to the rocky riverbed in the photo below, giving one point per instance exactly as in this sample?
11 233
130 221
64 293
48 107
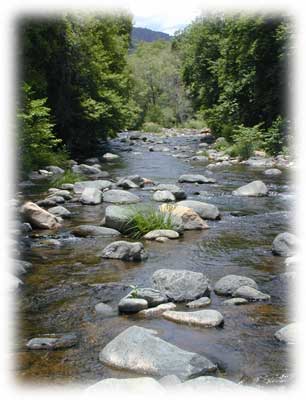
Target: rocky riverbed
74 275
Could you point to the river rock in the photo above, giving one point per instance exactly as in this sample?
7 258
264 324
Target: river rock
92 230
178 192
98 184
255 188
202 318
55 198
54 169
259 162
129 305
284 244
202 159
63 193
236 301
202 302
207 383
195 179
110 156
163 195
167 233
139 350
38 217
47 203
60 211
152 296
137 179
227 285
85 169
186 216
181 285
25 227
126 184
125 251
53 341
250 294
118 217
273 172
104 310
92 160
21 267
67 186
161 239
120 197
287 334
157 311
91 196
169 381
128 386
204 210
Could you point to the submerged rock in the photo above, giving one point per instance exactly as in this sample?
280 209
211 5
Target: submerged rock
181 285
287 334
205 210
202 302
125 251
227 285
140 350
53 341
250 294
92 230
284 244
120 197
104 310
202 318
38 217
255 188
195 179
99 184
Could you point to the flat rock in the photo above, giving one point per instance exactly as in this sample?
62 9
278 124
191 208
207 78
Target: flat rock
250 294
128 386
236 301
152 296
202 302
86 169
127 251
54 169
67 186
129 305
255 188
120 197
185 216
169 381
284 244
287 334
273 172
202 318
99 184
209 383
204 210
110 156
127 184
195 179
53 341
163 196
60 211
92 230
181 285
178 192
167 233
38 217
56 198
91 196
259 162
139 350
157 311
228 284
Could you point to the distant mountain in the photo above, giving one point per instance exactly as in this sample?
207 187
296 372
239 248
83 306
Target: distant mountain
147 35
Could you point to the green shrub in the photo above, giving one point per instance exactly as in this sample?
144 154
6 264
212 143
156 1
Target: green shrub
246 140
221 144
151 127
146 220
194 123
67 177
274 137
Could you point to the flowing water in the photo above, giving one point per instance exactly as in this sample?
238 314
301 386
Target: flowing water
67 281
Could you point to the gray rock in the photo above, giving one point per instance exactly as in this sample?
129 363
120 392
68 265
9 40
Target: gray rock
202 159
125 251
120 197
178 192
91 196
117 217
129 305
236 301
196 179
209 382
152 296
250 294
157 311
104 310
255 188
139 350
259 162
202 302
137 179
92 160
54 169
204 210
46 203
67 186
38 217
85 169
167 233
60 211
273 172
126 184
63 193
287 334
163 196
92 230
227 285
25 227
169 381
53 341
161 239
98 184
135 386
21 267
202 318
284 244
57 199
110 156
181 285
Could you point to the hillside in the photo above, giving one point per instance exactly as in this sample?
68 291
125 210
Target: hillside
147 35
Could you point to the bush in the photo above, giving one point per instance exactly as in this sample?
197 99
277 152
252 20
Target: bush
194 124
274 137
67 177
146 220
221 144
246 140
151 127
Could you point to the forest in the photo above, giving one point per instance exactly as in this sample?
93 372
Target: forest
82 81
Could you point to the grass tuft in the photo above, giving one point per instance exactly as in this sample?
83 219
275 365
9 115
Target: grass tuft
67 177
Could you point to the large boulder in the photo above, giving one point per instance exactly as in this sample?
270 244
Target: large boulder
163 196
99 184
91 196
202 318
284 244
287 334
38 217
92 230
255 188
139 350
189 219
195 179
178 192
250 294
120 197
205 210
181 285
227 285
118 217
125 251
